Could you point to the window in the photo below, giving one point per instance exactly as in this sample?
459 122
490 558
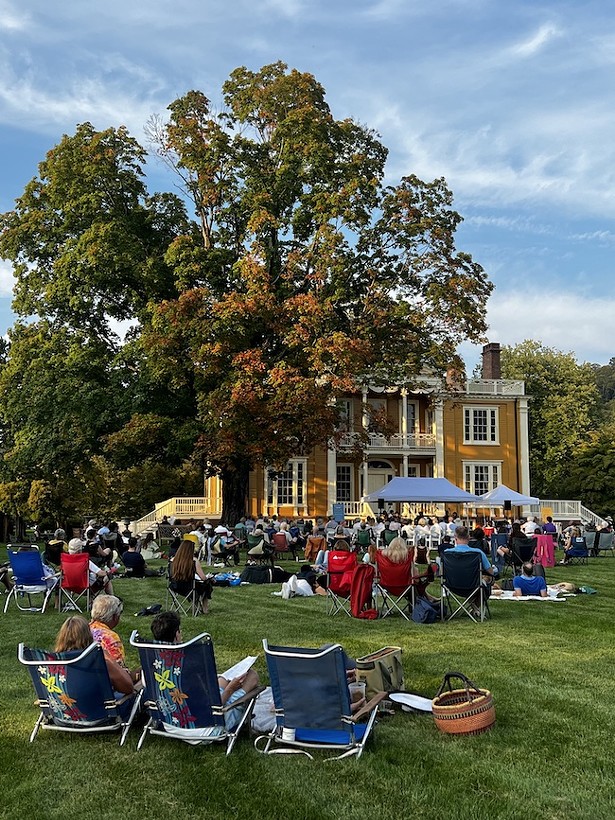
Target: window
412 419
344 407
480 425
343 483
479 478
287 488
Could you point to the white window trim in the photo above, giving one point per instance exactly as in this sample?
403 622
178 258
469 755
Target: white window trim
275 501
351 466
411 421
489 408
490 465
350 418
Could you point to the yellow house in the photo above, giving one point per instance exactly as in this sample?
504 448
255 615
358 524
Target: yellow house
474 433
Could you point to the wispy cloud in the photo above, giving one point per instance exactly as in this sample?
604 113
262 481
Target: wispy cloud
287 8
536 42
11 19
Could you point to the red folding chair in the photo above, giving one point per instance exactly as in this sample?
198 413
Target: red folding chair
340 568
75 581
397 586
280 543
394 585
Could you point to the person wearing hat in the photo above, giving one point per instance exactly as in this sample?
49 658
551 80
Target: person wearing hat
99 578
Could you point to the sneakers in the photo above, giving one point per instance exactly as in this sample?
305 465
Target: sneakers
287 592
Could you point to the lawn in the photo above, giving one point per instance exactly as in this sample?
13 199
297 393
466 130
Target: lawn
549 667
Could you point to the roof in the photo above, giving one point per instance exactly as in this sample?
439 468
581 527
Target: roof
423 489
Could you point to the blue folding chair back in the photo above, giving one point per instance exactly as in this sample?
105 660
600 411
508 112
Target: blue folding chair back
182 695
578 552
29 580
75 694
312 703
462 585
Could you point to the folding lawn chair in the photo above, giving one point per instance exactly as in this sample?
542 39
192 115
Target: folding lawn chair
578 552
75 583
394 586
182 598
462 585
280 545
75 694
182 694
313 545
522 550
340 567
323 720
604 543
29 579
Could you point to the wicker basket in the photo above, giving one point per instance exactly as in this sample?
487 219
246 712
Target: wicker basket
467 711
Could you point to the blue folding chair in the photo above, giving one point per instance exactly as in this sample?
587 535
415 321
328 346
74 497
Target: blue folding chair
29 579
75 694
322 719
182 695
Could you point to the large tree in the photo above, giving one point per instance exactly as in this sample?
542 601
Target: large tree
304 274
87 244
564 407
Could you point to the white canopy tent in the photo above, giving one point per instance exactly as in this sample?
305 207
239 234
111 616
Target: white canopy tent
422 490
503 494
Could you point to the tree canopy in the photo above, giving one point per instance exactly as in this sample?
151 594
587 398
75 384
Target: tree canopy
302 275
564 407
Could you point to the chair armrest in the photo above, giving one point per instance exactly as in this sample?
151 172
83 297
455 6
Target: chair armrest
244 698
371 704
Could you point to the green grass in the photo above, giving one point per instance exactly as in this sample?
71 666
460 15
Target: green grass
549 667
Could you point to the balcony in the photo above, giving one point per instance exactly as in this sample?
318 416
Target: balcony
495 387
411 443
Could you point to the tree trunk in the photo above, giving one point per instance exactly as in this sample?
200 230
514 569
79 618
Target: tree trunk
235 481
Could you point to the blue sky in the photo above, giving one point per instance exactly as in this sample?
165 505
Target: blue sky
514 103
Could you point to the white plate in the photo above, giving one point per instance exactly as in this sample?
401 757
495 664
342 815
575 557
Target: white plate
412 701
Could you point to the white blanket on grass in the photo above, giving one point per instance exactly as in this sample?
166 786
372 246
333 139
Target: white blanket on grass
507 595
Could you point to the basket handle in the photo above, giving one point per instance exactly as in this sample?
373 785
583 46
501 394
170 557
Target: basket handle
466 682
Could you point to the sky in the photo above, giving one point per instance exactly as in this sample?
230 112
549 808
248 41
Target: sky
513 103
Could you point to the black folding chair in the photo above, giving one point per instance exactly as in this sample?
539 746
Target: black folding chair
463 590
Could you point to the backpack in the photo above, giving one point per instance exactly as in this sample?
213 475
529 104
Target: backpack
424 612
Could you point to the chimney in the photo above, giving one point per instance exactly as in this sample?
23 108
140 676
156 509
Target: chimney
491 361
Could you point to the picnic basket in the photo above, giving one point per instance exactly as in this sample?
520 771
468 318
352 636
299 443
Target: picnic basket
467 711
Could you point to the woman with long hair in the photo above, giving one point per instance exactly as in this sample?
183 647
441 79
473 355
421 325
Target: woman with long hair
187 573
75 634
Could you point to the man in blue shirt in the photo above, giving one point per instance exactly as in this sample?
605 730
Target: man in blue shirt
528 583
462 536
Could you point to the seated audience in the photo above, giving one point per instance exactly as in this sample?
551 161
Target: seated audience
99 578
75 634
528 583
106 613
55 547
135 562
186 573
166 628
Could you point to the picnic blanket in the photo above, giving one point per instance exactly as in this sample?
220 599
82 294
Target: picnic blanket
554 595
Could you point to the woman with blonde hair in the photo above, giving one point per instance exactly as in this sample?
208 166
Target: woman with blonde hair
75 634
187 573
397 551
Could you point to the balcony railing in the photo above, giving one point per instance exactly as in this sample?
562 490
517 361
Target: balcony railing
495 387
398 441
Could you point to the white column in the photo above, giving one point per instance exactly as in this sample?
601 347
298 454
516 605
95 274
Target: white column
524 449
331 477
404 414
405 465
438 470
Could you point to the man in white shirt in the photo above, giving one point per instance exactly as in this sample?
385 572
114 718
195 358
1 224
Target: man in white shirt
529 527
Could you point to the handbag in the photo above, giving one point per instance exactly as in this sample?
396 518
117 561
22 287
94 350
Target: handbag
382 671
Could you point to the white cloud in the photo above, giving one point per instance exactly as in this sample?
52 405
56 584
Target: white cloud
7 280
533 44
287 8
11 19
565 320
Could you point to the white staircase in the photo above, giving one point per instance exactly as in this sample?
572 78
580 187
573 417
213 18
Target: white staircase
180 507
